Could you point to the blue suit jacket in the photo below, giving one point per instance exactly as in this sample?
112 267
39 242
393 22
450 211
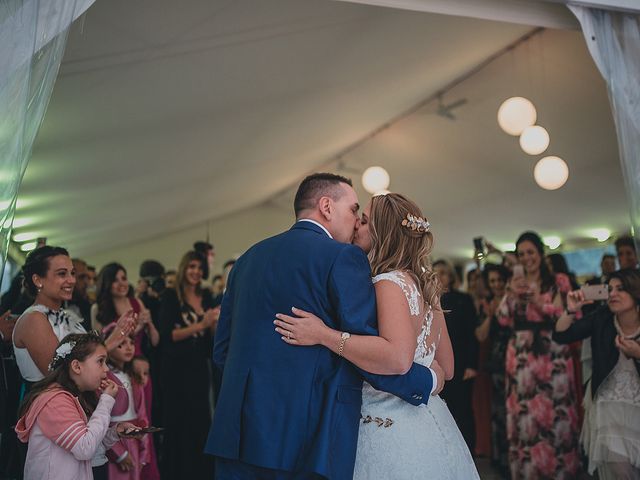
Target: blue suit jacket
287 407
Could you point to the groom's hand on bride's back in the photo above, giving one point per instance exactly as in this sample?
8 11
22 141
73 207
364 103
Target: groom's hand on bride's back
439 375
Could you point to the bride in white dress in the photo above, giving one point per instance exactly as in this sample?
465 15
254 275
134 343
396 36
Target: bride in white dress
396 439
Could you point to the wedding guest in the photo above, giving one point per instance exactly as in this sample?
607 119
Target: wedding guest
461 319
114 299
607 267
91 283
79 303
496 277
142 376
128 456
226 270
170 279
152 273
50 277
542 414
217 285
626 252
187 322
476 288
208 253
611 431
558 264
9 399
481 390
63 419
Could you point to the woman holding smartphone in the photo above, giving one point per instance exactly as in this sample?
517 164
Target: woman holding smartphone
542 414
611 430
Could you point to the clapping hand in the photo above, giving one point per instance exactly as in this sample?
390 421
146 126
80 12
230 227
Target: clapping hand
211 317
630 347
125 325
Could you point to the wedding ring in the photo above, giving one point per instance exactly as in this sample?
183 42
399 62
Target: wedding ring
289 335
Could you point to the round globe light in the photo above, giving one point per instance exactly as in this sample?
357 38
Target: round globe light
551 173
600 234
25 237
375 180
534 140
27 247
515 114
552 241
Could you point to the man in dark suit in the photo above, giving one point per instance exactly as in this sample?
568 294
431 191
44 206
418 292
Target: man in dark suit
293 413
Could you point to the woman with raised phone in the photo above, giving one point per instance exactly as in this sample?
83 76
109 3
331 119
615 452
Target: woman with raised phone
396 439
611 430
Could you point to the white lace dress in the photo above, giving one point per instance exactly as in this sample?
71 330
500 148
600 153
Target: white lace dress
400 441
612 433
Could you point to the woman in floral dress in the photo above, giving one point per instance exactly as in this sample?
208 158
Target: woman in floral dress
542 414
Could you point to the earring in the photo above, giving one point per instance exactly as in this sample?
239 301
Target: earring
39 287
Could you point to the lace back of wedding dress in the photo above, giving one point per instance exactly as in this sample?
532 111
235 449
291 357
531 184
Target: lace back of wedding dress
429 335
402 441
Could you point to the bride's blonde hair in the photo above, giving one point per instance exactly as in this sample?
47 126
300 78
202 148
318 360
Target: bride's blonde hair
396 246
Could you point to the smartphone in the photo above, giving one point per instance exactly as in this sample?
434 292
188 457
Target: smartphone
478 244
595 292
143 430
518 271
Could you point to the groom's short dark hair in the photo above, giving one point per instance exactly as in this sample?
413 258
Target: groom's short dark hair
315 186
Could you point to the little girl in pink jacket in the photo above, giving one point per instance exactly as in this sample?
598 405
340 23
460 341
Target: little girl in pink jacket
62 418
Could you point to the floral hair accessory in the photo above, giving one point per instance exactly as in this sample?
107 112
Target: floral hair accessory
61 353
417 224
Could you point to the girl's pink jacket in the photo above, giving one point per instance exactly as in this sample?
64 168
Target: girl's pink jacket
61 440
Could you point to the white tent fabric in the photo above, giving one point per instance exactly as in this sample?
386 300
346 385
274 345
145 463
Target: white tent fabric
168 124
33 34
523 12
613 39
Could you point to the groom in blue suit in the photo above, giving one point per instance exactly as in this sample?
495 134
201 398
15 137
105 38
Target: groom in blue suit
287 412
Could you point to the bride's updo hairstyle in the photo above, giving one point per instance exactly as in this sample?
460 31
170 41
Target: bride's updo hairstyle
401 240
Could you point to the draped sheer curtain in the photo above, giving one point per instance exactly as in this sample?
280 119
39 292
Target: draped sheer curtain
33 34
613 39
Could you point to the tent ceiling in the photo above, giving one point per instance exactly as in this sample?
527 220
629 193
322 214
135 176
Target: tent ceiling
164 117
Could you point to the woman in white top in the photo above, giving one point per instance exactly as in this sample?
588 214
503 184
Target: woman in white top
50 277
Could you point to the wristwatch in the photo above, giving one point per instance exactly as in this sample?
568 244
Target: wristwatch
343 339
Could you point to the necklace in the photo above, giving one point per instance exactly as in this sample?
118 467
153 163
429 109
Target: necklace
633 336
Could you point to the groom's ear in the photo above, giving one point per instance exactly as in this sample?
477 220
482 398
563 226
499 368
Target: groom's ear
325 207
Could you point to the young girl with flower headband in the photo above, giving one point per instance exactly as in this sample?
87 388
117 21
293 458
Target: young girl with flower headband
63 418
128 456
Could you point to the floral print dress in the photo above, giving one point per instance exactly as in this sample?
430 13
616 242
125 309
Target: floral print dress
540 388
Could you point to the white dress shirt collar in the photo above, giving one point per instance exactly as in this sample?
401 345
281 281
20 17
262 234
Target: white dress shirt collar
318 224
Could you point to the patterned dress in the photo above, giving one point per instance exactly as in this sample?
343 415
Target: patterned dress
542 413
